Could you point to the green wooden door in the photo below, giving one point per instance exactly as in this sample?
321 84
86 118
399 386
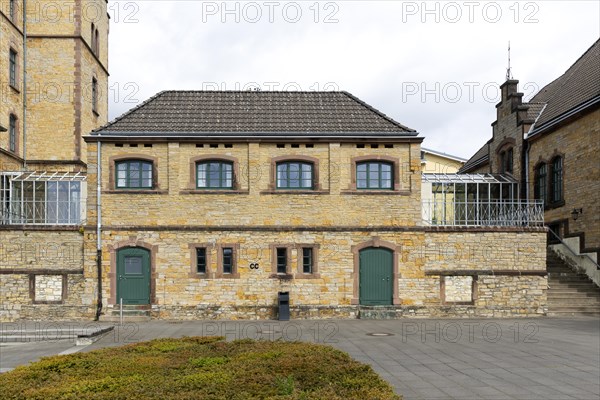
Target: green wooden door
376 277
133 275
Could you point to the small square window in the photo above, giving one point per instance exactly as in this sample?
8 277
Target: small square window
227 260
281 260
307 260
201 260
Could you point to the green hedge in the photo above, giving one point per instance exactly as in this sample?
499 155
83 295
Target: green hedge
199 368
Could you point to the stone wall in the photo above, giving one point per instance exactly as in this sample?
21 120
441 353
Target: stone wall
175 201
42 276
511 286
579 144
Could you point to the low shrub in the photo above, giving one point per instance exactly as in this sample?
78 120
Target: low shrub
199 368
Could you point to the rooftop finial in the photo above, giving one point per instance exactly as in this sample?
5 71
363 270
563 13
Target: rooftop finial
508 71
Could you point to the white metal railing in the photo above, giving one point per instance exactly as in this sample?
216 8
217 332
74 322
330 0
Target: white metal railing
42 200
483 213
41 213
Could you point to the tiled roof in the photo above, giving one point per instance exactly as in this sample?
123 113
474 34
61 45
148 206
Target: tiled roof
534 110
254 113
578 85
481 157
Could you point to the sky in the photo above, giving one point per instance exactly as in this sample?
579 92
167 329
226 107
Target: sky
434 66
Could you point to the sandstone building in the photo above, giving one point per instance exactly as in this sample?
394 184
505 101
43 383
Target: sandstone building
53 83
550 145
213 202
208 204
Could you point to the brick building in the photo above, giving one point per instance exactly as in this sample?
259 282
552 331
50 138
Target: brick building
550 145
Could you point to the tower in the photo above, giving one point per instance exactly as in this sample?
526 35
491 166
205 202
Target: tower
54 74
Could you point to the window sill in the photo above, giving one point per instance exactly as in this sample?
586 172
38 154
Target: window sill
212 191
16 89
227 276
301 275
555 205
195 275
96 113
458 303
284 277
291 191
376 192
135 191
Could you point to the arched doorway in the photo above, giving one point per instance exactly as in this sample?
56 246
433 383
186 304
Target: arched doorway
376 278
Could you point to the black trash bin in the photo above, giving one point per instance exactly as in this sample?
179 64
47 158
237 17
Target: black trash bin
283 303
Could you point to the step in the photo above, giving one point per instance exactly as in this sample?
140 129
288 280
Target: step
568 278
584 284
574 309
129 318
572 314
552 303
80 336
573 296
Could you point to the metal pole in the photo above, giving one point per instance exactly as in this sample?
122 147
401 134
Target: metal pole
121 311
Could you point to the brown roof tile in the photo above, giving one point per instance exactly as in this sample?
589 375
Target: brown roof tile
253 113
578 85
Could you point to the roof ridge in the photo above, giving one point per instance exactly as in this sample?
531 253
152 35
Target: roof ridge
376 111
130 111
250 91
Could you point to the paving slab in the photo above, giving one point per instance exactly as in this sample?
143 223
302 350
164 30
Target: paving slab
542 358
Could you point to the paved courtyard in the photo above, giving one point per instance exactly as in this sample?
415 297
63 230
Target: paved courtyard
422 358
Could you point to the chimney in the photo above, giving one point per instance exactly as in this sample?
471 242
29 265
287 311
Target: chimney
509 91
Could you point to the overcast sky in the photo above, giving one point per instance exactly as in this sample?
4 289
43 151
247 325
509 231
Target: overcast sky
433 66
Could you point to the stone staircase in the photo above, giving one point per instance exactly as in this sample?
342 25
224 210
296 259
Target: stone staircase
131 313
570 293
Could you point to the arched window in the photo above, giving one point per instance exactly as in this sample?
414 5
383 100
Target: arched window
295 175
374 175
556 183
541 189
134 174
214 174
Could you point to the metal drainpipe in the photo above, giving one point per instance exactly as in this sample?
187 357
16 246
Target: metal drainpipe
24 84
99 227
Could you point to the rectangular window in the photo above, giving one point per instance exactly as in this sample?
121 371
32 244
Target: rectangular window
94 95
557 180
12 133
294 175
13 68
55 202
281 260
374 175
134 174
509 161
12 10
227 260
541 190
201 260
307 260
214 175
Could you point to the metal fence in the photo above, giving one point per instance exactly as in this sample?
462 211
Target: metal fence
490 213
34 199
